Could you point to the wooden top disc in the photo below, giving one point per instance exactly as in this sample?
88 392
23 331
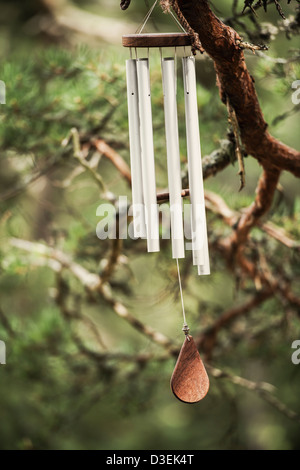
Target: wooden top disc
156 40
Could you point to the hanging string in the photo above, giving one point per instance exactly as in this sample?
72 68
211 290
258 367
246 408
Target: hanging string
185 328
177 21
146 18
140 28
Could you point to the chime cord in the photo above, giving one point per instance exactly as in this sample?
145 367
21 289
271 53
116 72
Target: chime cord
176 20
140 28
185 325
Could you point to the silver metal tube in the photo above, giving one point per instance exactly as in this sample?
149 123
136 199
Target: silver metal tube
199 230
138 210
173 156
148 164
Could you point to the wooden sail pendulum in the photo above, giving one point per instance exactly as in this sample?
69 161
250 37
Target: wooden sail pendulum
189 381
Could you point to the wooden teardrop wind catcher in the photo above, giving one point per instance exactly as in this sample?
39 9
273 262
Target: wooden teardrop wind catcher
189 381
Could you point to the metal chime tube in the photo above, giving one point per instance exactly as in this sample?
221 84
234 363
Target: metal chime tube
199 230
139 227
147 148
173 156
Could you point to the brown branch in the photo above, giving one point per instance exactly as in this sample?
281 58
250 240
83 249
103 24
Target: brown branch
91 281
236 83
207 340
238 150
215 203
58 260
279 234
234 245
112 261
264 196
211 165
114 157
162 197
263 389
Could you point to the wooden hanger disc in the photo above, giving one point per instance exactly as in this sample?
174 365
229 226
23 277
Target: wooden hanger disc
189 381
157 40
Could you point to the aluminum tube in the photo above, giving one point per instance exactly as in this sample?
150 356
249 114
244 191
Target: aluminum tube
199 230
148 164
138 210
173 156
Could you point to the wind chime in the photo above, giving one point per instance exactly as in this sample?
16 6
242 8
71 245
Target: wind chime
189 381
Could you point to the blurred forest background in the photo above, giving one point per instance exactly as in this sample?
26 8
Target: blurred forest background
93 328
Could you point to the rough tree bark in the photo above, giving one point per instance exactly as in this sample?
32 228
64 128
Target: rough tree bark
221 42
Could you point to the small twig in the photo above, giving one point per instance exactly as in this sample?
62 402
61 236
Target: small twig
245 383
235 127
114 157
265 390
279 234
93 283
88 280
112 260
211 165
162 197
61 297
248 3
77 153
251 47
251 217
216 204
208 338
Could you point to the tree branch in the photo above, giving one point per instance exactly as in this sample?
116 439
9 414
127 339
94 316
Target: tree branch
92 282
207 340
58 260
236 83
264 196
114 157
